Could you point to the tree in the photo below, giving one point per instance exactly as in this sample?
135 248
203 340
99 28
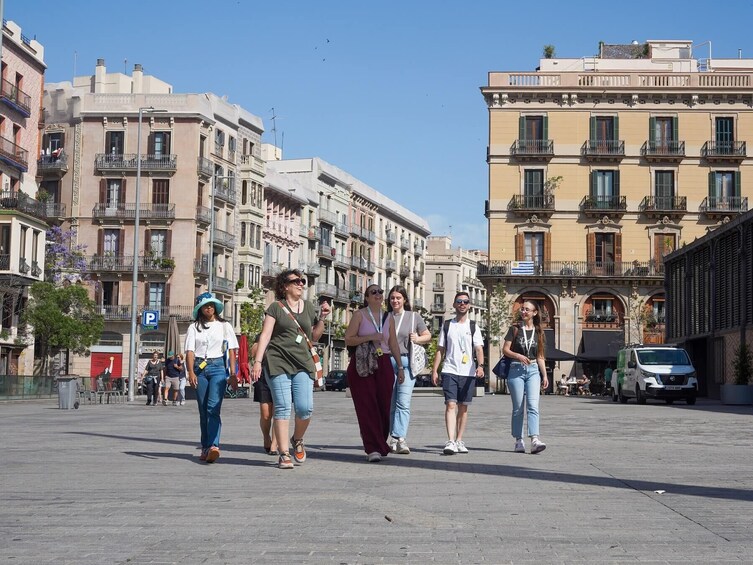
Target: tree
548 51
252 313
61 317
63 260
500 313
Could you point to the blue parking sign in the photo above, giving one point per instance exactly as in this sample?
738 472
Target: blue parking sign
150 319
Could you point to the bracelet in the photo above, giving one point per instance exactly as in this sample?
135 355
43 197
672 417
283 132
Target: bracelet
401 368
257 361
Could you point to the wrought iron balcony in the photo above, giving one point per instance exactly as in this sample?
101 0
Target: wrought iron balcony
203 215
15 98
221 284
536 203
341 229
343 295
310 232
417 303
531 149
327 216
341 261
370 267
311 269
369 235
355 230
204 167
437 286
17 200
127 211
55 210
418 276
390 237
716 206
604 149
225 190
663 150
418 249
14 155
603 205
201 266
325 289
129 162
390 265
404 243
575 269
49 165
124 264
404 271
664 205
325 251
724 150
224 238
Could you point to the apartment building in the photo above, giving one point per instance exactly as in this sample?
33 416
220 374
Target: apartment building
598 168
22 216
196 152
351 236
450 270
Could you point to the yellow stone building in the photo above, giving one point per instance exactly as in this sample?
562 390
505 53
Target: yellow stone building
599 167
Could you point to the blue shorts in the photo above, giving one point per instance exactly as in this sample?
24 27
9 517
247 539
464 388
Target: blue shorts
458 389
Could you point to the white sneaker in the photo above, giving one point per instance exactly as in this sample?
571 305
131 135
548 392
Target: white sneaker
520 447
374 457
537 446
182 402
401 447
450 448
461 447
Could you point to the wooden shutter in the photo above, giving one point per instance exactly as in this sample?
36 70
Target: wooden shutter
592 128
116 292
616 124
594 176
658 247
150 144
547 247
545 128
616 186
121 242
617 248
738 186
147 241
591 247
675 129
168 243
520 240
166 142
651 130
102 191
98 294
712 184
100 242
166 296
522 127
122 198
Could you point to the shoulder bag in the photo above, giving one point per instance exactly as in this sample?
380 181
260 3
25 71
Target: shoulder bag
502 368
417 353
318 369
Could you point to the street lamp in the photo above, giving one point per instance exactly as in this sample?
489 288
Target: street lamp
135 280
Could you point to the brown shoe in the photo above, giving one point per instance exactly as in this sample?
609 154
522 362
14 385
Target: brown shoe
203 456
214 454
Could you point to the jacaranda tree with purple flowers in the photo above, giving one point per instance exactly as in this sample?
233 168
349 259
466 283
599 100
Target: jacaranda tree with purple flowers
64 260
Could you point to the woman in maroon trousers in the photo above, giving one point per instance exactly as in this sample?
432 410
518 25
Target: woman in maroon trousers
372 394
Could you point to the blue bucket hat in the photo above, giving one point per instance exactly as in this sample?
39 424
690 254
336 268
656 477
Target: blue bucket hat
205 298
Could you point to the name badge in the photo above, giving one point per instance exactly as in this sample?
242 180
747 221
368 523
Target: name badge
379 352
299 338
202 364
465 358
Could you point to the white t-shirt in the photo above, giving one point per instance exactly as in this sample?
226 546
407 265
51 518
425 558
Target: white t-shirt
460 347
207 343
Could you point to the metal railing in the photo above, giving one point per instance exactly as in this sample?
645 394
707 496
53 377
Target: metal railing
124 263
325 289
327 216
129 161
663 148
225 190
570 269
532 147
532 202
723 149
604 203
23 387
604 148
326 251
223 285
204 167
390 236
201 266
404 243
390 265
724 204
20 201
50 164
14 153
224 238
13 94
664 204
127 211
203 215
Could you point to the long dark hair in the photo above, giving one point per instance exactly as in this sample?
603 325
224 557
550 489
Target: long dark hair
540 337
401 290
282 280
202 321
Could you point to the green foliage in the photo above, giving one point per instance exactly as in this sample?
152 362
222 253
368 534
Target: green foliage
742 365
61 318
548 51
552 184
500 313
252 313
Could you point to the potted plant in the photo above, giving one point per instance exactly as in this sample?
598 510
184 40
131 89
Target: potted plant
741 391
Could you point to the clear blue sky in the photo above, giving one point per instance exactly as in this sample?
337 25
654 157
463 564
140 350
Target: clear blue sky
388 91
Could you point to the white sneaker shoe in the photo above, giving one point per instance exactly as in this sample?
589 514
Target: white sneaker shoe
537 446
461 447
520 447
401 447
374 457
450 448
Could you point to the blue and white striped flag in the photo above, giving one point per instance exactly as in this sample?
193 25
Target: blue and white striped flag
521 267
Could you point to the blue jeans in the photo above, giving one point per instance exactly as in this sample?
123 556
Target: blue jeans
524 379
210 390
289 390
401 396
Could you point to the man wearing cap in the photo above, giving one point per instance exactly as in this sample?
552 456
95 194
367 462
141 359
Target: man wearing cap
173 370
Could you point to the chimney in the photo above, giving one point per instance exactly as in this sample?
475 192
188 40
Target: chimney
138 79
99 76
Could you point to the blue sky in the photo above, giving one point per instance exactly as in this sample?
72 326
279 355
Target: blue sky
387 91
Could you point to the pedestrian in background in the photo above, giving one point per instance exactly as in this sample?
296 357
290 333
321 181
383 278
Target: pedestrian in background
527 374
457 342
409 328
290 369
172 377
210 347
263 396
152 379
182 383
372 392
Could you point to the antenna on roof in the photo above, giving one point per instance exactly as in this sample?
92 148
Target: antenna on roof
274 124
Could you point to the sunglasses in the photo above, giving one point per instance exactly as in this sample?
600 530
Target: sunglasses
375 291
460 301
527 310
296 281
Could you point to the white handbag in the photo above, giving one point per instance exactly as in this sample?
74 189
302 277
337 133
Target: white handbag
417 354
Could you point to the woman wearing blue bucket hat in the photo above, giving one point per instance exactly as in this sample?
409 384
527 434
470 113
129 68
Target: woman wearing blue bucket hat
210 359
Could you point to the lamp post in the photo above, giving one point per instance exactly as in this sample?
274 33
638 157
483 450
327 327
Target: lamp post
132 360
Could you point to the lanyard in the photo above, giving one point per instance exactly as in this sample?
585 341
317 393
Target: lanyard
528 343
400 323
373 320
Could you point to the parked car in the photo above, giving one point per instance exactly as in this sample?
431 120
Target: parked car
660 372
336 380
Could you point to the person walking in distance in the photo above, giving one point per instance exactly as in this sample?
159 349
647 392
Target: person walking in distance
409 328
152 378
457 342
172 377
182 384
526 345
210 345
290 322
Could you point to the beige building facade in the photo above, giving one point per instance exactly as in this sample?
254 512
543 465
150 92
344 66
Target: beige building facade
598 167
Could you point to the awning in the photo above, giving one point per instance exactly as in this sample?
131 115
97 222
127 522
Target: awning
601 345
552 353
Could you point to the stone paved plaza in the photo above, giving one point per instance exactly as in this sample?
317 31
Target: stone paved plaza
122 484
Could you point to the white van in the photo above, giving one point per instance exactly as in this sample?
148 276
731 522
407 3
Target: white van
662 372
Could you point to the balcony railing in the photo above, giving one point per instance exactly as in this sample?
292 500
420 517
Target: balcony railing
55 210
369 235
418 249
390 265
310 232
16 98
23 266
23 203
597 148
601 204
225 190
390 237
664 204
437 286
355 230
223 285
58 165
4 262
325 251
201 266
417 303
341 261
418 276
324 289
404 243
724 204
574 269
129 162
341 229
311 269
203 215
124 263
659 150
15 155
272 270
603 320
127 211
437 308
327 216
404 271
533 148
538 202
723 150
224 238
204 167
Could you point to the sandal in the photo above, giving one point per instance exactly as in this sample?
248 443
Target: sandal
285 462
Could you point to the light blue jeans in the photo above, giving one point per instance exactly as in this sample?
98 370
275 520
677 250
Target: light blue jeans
210 390
289 390
401 396
524 380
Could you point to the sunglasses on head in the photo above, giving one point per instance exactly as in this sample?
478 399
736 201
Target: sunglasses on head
296 281
375 291
462 301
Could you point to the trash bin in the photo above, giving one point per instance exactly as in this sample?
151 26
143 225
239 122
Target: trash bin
67 392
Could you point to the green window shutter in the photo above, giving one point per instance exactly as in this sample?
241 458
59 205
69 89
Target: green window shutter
675 129
521 127
546 128
593 183
616 186
592 135
738 192
651 130
616 123
712 184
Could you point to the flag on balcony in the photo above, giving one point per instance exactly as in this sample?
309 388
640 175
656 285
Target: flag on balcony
521 267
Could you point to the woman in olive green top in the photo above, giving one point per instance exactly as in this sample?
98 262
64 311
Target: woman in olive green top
290 368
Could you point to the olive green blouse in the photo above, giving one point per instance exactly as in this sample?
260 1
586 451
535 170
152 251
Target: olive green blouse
286 355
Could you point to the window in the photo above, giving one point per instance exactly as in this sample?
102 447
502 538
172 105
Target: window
533 188
724 189
604 129
664 244
605 248
439 299
664 189
533 127
242 275
724 135
52 142
534 247
157 295
662 133
605 189
111 243
658 311
243 234
602 308
114 142
159 144
113 194
158 242
326 236
244 192
161 191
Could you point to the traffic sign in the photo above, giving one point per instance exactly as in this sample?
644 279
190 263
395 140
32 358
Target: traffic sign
150 319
